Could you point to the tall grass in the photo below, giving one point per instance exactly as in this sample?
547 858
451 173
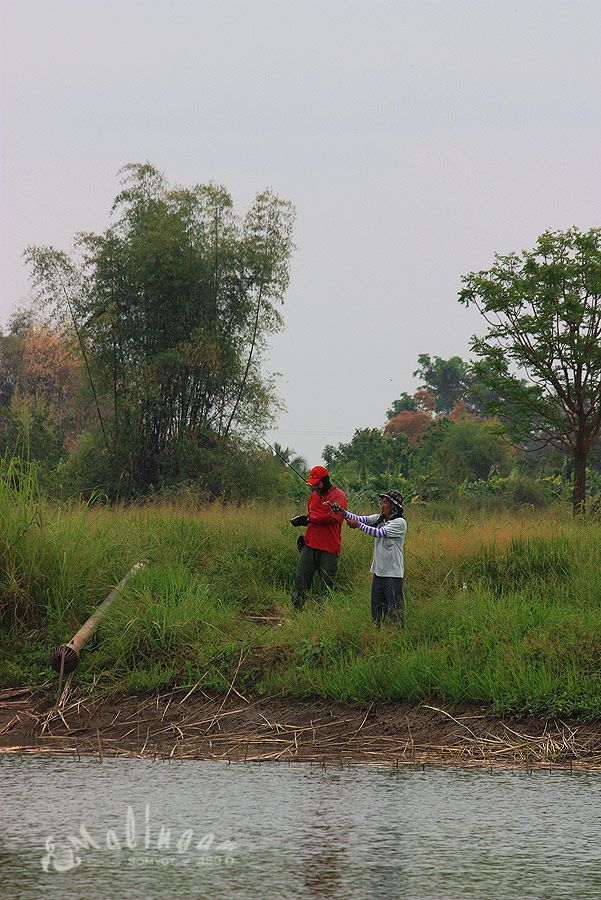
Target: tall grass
501 610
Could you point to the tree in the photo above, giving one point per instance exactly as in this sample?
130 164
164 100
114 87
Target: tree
28 429
7 380
173 305
411 424
286 456
39 380
404 403
447 380
368 456
541 355
451 452
413 419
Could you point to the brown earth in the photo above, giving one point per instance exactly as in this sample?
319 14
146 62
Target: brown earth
189 724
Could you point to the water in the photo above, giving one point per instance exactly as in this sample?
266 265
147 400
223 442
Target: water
268 831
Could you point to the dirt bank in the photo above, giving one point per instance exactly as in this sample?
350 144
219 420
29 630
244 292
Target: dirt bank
189 724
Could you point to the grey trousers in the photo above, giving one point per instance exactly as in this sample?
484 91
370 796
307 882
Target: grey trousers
311 561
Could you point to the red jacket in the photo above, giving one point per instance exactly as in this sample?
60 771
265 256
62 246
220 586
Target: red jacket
323 530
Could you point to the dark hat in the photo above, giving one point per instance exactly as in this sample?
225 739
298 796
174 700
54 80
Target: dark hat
395 497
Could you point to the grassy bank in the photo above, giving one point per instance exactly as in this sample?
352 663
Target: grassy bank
501 609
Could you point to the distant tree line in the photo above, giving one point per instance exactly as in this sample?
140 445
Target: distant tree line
137 370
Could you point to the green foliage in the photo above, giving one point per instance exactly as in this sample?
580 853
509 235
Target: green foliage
172 305
523 561
499 610
20 512
447 380
514 491
451 455
48 553
541 357
28 429
220 468
405 403
370 461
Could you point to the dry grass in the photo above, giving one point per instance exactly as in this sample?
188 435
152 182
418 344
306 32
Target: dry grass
166 727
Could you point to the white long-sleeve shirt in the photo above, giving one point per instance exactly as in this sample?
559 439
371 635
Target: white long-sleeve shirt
389 537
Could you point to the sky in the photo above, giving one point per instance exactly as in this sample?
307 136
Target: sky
416 139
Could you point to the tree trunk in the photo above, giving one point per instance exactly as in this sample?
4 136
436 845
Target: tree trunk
578 495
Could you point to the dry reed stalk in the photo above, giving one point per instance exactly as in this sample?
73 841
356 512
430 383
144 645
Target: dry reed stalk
192 691
445 713
9 725
166 708
10 693
363 722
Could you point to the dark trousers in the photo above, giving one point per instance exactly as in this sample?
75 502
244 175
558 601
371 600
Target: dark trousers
387 601
311 561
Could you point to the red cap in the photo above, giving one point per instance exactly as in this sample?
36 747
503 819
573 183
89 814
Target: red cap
316 474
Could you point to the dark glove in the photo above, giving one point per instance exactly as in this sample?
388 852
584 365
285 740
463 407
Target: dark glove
300 543
299 520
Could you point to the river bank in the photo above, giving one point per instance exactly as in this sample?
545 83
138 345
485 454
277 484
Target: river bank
179 724
501 612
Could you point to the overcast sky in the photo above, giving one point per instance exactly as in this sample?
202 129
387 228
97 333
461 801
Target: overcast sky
416 138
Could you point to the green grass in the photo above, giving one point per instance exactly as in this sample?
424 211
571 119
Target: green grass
501 610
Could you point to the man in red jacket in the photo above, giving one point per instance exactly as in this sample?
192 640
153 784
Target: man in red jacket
321 549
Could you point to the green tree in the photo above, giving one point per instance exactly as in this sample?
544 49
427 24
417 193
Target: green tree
448 380
369 457
173 305
404 403
541 355
28 429
286 456
451 452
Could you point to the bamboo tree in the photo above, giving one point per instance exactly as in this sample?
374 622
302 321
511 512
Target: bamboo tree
175 300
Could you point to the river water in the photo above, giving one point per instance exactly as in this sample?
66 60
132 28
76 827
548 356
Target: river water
130 828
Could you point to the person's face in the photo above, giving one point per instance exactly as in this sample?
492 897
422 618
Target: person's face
386 507
318 486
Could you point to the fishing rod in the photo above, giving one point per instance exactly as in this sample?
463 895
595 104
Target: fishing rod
282 459
296 472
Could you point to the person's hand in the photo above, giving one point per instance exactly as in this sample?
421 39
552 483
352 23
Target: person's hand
352 523
299 520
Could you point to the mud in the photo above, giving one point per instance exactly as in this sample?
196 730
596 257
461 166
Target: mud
188 724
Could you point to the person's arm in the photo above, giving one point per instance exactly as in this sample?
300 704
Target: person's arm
369 529
390 529
349 516
320 516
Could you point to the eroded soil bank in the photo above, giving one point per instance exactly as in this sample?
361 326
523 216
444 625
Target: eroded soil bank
182 724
